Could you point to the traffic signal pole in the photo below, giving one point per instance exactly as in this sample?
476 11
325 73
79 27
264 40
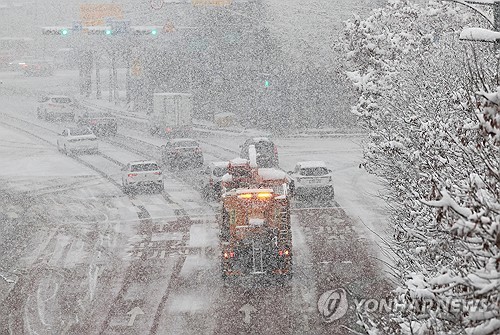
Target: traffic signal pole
98 93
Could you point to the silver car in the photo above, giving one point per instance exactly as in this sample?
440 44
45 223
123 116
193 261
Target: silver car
77 140
312 179
146 174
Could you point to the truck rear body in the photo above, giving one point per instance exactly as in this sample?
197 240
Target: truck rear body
255 234
172 114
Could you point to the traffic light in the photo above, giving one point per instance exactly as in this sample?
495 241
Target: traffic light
265 79
62 31
98 30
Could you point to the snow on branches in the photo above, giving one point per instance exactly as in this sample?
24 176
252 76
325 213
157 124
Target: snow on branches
432 112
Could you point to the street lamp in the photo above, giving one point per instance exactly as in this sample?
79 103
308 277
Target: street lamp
480 34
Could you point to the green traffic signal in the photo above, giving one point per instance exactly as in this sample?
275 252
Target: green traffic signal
108 32
266 83
64 32
154 32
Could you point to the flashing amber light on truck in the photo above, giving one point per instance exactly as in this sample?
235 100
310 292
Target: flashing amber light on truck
260 195
245 196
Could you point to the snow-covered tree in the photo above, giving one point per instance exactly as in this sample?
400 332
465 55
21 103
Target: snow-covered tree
431 106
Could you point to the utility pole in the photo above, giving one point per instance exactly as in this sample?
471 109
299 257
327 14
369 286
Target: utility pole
97 77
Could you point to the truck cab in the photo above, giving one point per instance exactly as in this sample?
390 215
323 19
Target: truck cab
171 115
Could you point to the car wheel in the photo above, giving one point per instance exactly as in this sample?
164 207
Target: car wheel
161 187
153 131
125 188
205 192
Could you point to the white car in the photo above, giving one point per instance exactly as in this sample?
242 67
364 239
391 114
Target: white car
142 173
51 107
77 139
312 178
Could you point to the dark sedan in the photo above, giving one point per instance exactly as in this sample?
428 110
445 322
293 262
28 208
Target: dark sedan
182 152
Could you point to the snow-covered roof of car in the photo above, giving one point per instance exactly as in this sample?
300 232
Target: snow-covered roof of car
220 164
175 140
311 164
238 161
143 162
261 139
271 174
57 96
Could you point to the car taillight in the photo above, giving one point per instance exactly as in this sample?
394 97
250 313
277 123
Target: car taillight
157 172
93 122
275 150
229 254
168 130
132 175
285 252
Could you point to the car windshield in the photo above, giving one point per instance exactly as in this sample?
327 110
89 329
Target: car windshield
185 144
220 171
314 171
61 100
144 167
80 131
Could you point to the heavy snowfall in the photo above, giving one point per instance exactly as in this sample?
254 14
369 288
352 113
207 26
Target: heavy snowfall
250 167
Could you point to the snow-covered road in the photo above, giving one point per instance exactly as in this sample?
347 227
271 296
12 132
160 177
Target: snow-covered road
105 262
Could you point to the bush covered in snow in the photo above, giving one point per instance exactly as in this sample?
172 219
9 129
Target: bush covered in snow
431 105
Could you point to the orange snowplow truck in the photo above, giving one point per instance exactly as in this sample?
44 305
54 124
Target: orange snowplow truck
255 231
